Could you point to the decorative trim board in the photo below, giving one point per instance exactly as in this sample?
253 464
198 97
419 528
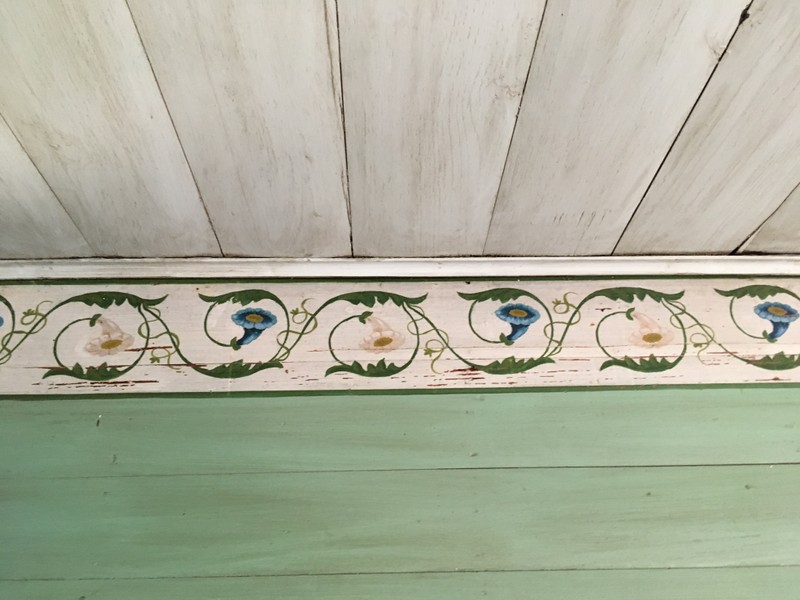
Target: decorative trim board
313 336
399 268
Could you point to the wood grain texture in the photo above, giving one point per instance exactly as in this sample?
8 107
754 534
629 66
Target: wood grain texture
610 86
736 159
258 112
780 233
170 436
79 94
668 584
176 521
399 521
431 93
33 223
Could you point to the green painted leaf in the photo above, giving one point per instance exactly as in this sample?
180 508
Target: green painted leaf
504 339
364 316
76 371
777 362
756 291
241 297
496 294
238 369
371 298
379 369
99 373
651 364
106 299
629 294
93 320
511 365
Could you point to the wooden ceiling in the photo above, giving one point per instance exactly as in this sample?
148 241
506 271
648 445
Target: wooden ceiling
398 128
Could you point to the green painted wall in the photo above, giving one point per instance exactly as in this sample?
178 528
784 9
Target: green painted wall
635 494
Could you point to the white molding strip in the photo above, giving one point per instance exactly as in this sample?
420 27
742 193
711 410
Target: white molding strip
84 337
346 268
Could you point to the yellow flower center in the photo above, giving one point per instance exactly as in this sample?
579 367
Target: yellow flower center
518 312
254 318
109 344
652 338
382 341
777 311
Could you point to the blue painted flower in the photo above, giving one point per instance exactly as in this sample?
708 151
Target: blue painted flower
254 321
1 321
779 314
519 316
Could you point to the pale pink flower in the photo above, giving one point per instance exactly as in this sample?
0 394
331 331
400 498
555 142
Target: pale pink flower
111 341
383 338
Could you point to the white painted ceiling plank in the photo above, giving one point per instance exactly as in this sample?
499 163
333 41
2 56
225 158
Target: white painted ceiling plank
79 94
781 232
737 158
33 224
254 93
431 92
611 84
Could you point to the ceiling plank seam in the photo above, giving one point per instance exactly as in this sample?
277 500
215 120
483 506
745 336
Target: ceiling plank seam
174 129
744 16
742 248
336 71
514 129
3 121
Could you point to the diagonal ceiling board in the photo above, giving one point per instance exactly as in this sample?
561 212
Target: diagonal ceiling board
610 86
33 223
259 116
79 94
431 94
736 159
780 233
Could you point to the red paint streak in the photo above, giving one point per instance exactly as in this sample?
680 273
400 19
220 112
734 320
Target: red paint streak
148 348
127 382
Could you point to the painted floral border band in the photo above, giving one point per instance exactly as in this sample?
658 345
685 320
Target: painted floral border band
257 336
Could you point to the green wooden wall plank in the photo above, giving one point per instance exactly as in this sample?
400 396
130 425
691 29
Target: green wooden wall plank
374 522
779 583
161 435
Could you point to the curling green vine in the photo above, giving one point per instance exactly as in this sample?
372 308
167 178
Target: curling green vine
546 327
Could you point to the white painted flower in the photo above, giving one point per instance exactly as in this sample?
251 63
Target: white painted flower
383 338
111 341
650 334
